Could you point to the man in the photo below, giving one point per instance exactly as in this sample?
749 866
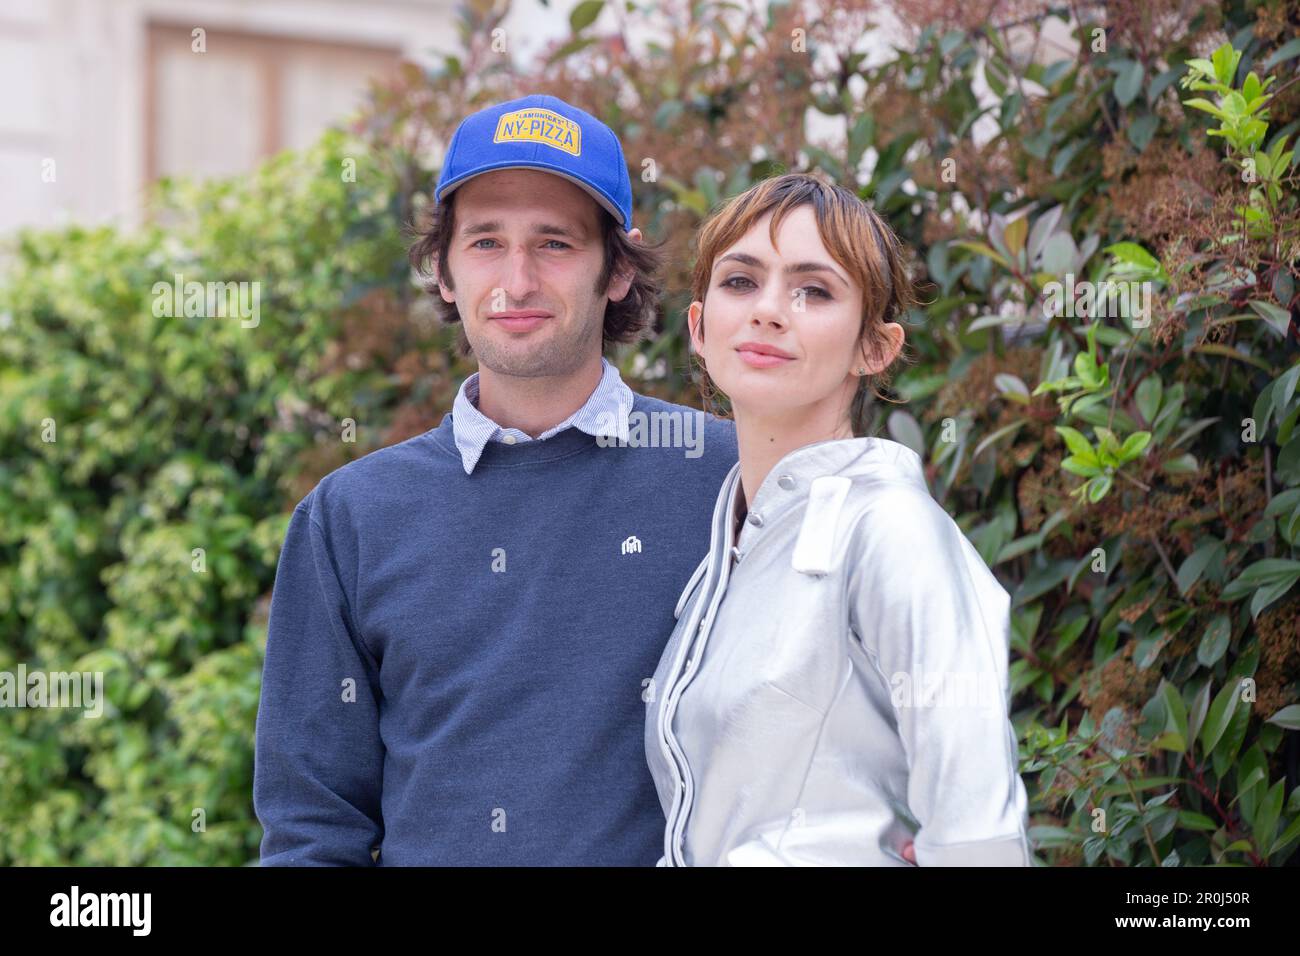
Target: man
463 625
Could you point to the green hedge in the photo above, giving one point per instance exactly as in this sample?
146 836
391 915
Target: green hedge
169 434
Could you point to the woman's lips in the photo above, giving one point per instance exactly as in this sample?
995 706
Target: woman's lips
761 359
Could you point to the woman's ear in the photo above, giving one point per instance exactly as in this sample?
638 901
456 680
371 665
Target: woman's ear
694 321
884 350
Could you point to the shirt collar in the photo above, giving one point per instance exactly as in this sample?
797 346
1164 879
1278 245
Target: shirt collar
604 413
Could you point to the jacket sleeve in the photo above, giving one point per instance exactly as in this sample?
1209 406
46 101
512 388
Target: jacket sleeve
934 623
319 758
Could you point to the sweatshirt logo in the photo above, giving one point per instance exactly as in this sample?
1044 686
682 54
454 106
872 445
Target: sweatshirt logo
632 545
540 126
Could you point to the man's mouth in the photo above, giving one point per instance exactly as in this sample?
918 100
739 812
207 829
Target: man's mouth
520 320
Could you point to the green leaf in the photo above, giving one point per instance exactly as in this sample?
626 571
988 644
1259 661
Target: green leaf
1287 51
1269 593
1061 161
1142 129
1288 837
1077 465
1194 566
1098 488
984 250
1075 441
1220 715
1147 397
860 137
1162 82
1134 445
585 14
1015 233
1266 816
988 321
1182 465
1175 709
1288 717
1196 716
1198 103
1279 320
1191 820
1012 387
1214 642
1134 255
1129 82
1225 60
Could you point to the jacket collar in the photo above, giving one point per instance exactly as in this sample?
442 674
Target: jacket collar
796 479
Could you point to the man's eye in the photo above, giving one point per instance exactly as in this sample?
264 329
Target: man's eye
477 246
557 242
731 283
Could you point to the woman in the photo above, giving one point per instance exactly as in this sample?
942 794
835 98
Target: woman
836 684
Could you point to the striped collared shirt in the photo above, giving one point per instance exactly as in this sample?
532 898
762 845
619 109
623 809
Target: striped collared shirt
605 413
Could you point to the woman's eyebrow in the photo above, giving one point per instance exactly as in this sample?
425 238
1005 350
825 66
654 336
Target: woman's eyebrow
796 268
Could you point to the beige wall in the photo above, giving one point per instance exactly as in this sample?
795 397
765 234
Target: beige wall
103 95
245 96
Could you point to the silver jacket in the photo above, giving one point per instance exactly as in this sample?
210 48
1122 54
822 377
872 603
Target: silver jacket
836 683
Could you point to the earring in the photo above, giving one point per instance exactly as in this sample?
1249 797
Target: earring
862 370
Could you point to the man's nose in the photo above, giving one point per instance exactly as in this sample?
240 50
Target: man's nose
520 278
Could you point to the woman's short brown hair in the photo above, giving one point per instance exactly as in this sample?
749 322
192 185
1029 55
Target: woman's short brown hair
856 237
628 320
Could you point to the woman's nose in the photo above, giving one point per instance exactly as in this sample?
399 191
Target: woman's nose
769 307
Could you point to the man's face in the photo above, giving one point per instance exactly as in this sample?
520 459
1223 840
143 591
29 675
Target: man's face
525 256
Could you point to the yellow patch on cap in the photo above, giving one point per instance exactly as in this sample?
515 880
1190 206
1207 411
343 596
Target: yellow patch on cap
539 126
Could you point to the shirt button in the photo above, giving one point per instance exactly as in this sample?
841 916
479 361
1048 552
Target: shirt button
509 439
755 519
786 482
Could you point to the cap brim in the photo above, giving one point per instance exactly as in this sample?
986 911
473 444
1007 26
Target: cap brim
605 204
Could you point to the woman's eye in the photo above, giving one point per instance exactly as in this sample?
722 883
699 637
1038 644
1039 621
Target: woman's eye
731 283
816 290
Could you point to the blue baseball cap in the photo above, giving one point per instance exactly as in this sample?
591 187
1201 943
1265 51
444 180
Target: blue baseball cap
541 132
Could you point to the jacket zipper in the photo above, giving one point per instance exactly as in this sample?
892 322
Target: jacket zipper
683 793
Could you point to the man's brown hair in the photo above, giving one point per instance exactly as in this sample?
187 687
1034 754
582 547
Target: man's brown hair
856 237
628 320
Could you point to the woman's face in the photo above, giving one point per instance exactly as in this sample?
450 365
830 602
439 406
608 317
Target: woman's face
794 299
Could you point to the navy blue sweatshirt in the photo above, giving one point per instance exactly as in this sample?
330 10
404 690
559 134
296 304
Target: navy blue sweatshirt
455 663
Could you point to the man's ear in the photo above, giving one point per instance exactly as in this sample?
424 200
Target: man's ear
621 282
447 294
